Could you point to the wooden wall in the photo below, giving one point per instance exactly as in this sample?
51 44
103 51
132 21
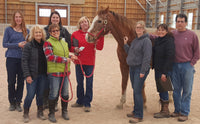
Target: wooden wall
89 9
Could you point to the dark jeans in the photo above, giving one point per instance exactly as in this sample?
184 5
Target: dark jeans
84 98
137 85
15 74
36 87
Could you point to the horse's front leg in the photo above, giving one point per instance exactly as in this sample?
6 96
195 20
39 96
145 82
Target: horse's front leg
124 72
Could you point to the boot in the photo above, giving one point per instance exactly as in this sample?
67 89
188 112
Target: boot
45 99
52 111
18 107
26 116
64 108
40 114
164 113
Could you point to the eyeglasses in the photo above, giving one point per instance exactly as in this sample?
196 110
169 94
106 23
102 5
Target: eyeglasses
139 27
55 31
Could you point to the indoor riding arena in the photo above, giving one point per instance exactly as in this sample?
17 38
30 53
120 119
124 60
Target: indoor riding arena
107 89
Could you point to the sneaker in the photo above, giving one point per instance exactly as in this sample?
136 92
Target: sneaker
174 114
12 107
87 109
130 115
18 107
182 118
76 105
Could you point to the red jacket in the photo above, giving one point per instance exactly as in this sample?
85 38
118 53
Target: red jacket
87 56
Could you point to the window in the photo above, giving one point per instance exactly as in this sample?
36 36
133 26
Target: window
44 12
190 19
62 12
161 19
174 21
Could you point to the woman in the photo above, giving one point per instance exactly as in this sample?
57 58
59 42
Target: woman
163 58
57 54
14 41
87 59
55 19
138 59
34 66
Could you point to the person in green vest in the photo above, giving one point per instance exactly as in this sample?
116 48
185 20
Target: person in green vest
57 55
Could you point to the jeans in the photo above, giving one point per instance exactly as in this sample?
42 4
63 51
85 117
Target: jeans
55 85
84 98
36 87
182 79
14 71
163 95
137 85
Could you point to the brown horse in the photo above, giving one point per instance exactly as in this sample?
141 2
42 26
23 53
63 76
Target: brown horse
119 26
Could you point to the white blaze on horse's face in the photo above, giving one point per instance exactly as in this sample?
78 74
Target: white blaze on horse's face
89 38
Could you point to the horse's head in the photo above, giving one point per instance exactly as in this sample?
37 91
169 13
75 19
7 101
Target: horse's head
99 26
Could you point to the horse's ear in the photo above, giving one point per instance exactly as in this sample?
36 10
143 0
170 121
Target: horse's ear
107 9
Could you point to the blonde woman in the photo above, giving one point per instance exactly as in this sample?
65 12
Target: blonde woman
14 41
34 66
87 57
138 59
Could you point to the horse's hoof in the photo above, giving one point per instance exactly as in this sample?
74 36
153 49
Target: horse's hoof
120 106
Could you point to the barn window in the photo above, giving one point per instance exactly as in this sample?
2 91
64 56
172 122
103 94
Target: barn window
190 19
174 21
62 12
44 12
161 19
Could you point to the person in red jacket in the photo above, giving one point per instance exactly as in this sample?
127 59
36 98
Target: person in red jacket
86 55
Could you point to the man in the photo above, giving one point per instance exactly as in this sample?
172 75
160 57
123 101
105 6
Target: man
186 55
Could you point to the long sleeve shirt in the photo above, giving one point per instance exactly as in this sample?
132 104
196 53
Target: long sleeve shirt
87 55
11 40
48 51
186 46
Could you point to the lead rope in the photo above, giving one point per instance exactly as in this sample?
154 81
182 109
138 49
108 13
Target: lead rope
66 68
88 76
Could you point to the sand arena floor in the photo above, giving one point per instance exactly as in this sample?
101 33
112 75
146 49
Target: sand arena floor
107 93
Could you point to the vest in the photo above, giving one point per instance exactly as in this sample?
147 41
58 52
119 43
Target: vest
60 48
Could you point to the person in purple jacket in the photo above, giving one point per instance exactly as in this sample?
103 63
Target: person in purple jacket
14 41
186 56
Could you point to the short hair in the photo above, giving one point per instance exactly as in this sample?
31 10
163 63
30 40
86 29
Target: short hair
181 16
81 19
52 26
57 13
37 27
142 23
165 26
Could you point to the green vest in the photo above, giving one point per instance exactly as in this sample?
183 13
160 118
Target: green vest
60 48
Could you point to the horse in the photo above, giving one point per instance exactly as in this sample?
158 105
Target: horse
119 26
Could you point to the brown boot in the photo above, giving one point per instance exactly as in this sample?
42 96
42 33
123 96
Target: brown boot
164 113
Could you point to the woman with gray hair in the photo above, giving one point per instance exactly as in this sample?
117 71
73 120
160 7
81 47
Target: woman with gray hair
139 57
34 67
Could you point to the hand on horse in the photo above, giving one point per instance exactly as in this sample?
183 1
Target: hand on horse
125 39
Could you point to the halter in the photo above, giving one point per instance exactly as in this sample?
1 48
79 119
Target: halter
105 22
